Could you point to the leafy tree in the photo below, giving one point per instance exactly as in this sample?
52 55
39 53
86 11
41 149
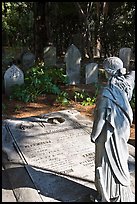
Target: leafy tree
38 24
17 24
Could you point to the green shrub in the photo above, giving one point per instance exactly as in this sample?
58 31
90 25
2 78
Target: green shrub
63 98
89 101
80 95
84 97
39 80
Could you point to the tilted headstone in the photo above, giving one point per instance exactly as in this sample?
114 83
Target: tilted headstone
72 59
28 59
91 73
50 56
125 55
13 76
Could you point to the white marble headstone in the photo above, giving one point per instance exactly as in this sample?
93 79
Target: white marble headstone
125 55
91 73
13 76
73 64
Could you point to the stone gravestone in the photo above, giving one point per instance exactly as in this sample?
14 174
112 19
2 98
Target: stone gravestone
91 73
72 59
12 76
125 55
50 56
61 167
28 59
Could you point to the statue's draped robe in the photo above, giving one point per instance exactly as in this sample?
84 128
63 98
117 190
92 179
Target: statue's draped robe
111 131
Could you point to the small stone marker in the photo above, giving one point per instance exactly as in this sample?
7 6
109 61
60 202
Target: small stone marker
91 73
125 55
50 56
13 76
72 59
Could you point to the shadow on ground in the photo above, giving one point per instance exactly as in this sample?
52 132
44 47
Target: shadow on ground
51 185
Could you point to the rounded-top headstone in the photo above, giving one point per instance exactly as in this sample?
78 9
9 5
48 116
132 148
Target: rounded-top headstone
13 76
28 60
72 60
72 54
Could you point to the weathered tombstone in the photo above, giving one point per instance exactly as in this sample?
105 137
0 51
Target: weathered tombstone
72 59
28 59
125 55
91 73
50 56
12 76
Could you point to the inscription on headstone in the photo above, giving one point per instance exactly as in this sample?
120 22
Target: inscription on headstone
73 64
58 154
61 148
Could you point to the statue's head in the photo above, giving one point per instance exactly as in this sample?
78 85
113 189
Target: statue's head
113 66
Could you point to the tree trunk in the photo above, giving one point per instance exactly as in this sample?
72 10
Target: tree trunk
41 33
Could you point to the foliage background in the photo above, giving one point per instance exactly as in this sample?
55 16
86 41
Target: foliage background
109 25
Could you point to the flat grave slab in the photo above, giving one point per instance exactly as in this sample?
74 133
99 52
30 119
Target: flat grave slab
57 153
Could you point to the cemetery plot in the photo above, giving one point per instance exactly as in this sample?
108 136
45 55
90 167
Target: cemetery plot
59 154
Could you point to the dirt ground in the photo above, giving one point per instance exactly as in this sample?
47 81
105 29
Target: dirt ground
47 103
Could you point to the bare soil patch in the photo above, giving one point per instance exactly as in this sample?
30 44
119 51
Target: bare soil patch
47 103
